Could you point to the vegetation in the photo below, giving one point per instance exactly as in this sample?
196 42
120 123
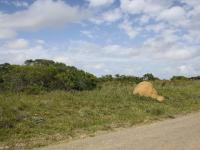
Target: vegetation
36 110
44 75
128 78
121 78
195 78
185 78
28 121
179 78
149 76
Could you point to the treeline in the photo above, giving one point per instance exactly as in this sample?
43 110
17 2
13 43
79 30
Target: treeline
128 78
184 78
145 77
39 75
44 75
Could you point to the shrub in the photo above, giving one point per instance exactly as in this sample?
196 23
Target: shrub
179 78
38 75
121 78
149 76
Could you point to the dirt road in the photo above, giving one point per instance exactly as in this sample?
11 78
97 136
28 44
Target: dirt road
182 133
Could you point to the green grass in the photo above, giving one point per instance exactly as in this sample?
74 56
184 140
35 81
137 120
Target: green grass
28 121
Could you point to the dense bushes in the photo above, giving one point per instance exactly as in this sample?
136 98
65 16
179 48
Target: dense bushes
38 75
150 76
195 78
185 78
128 78
179 78
122 78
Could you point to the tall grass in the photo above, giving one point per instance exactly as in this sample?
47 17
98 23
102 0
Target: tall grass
28 121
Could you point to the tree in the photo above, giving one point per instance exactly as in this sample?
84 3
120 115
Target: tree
195 78
149 76
39 62
179 78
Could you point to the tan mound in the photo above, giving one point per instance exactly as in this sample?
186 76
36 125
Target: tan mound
146 89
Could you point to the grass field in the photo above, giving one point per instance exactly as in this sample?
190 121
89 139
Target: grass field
28 121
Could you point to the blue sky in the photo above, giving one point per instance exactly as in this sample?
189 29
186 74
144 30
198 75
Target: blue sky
131 37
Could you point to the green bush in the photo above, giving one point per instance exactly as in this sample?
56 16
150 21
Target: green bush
149 76
179 78
38 75
121 78
34 89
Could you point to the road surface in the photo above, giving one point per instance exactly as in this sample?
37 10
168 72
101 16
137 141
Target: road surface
182 133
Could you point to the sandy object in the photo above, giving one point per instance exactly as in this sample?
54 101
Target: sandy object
146 89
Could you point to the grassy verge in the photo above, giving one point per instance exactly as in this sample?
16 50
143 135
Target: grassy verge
28 121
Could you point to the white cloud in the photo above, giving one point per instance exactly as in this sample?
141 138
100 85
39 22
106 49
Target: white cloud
186 70
159 27
6 33
151 7
17 44
133 6
119 51
144 19
41 14
40 42
178 54
63 59
94 51
127 27
112 15
87 33
173 14
192 3
97 3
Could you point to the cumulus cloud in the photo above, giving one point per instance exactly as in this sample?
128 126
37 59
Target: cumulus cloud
156 28
97 3
178 54
152 7
40 42
7 33
167 47
171 28
118 51
173 14
133 7
186 69
128 28
87 33
95 51
54 13
109 16
112 15
17 44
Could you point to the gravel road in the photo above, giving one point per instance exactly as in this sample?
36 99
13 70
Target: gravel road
182 133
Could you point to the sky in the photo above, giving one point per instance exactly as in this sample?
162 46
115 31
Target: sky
130 37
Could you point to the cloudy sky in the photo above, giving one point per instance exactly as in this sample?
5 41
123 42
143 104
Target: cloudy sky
104 36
